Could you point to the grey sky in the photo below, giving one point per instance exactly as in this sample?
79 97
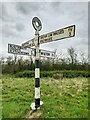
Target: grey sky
16 19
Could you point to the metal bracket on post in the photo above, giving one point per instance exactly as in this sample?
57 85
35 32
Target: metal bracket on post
37 26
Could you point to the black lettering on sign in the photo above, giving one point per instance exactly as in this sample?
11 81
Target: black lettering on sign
70 30
41 40
48 54
45 40
41 53
50 35
13 48
48 39
43 36
52 54
61 31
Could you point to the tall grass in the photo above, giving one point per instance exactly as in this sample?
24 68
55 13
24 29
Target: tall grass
67 98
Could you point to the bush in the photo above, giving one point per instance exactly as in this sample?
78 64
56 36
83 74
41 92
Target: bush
66 73
72 74
27 74
58 76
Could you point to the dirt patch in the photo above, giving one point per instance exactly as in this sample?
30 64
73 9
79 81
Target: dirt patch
34 114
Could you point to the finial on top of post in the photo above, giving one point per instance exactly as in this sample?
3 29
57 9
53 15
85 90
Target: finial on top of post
36 24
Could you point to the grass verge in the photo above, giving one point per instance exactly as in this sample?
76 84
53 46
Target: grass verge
66 98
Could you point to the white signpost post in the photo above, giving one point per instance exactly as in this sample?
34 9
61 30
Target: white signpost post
59 34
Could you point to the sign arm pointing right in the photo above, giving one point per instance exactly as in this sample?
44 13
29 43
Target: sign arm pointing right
59 34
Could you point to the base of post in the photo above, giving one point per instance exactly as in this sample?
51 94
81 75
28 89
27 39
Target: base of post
33 105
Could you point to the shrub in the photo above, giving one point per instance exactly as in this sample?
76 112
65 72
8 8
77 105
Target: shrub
58 76
66 73
27 74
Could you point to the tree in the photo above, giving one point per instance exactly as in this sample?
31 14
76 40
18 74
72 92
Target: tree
84 58
9 59
2 60
73 55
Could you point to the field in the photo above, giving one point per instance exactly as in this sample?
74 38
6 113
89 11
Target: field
66 98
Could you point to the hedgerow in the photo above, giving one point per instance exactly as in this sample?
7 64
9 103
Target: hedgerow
66 73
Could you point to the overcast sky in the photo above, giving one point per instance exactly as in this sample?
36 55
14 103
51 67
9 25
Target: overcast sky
16 23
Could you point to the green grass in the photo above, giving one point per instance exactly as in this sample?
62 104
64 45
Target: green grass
66 98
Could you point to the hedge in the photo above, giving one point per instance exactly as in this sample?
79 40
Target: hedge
66 73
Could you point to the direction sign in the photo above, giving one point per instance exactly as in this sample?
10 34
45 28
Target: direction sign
16 49
59 34
44 53
47 54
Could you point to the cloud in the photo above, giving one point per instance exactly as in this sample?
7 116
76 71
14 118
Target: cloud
19 27
6 14
8 31
12 30
3 11
27 7
55 6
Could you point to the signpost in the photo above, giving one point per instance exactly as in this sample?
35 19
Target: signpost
59 34
49 37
